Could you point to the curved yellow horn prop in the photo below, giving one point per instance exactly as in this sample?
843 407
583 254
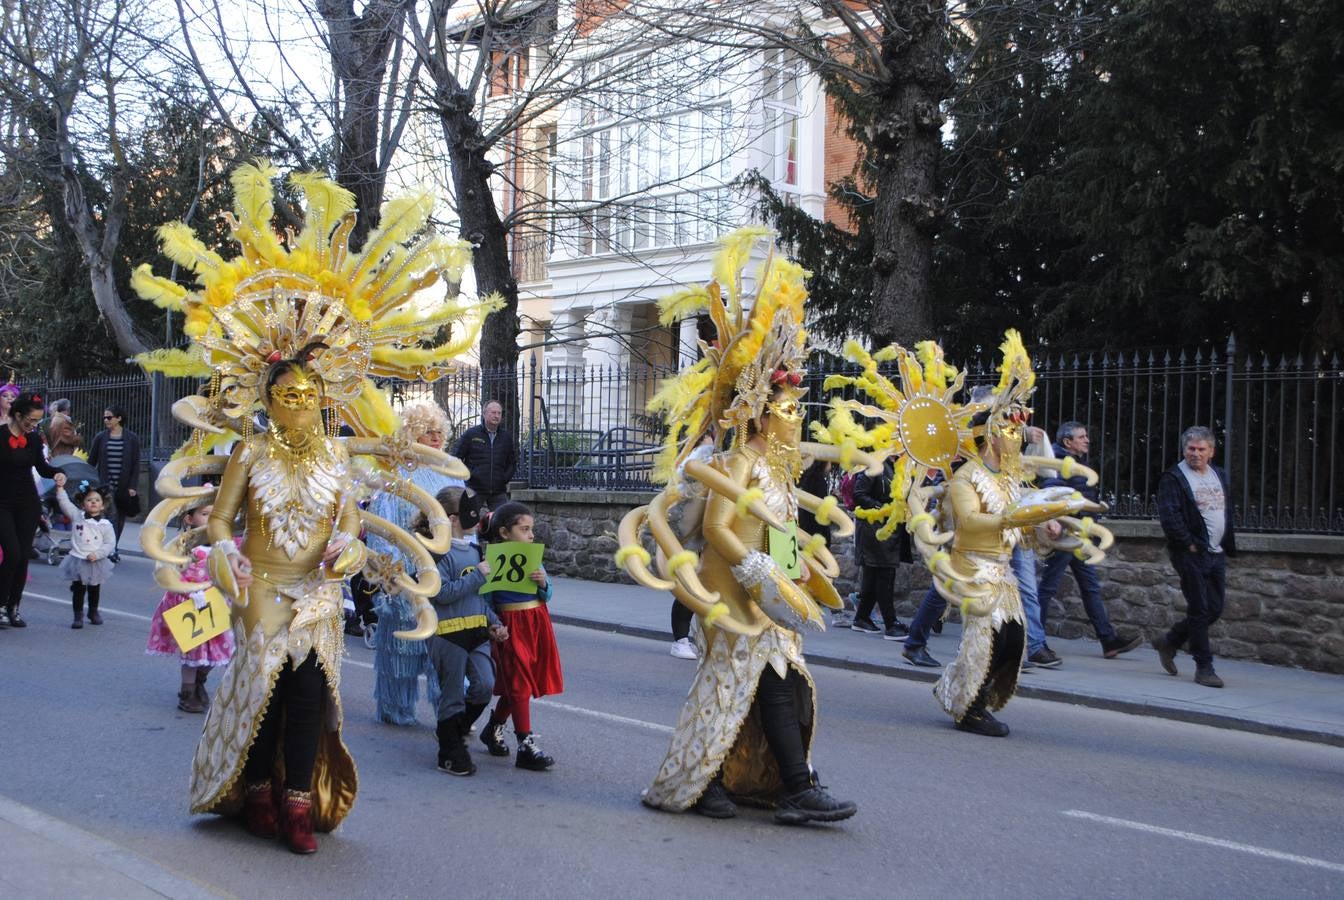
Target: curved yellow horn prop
632 556
849 458
169 579
821 556
427 583
391 448
842 526
441 535
194 410
679 559
721 484
156 525
169 482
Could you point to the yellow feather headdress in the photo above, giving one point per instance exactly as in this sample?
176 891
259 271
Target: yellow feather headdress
729 386
282 295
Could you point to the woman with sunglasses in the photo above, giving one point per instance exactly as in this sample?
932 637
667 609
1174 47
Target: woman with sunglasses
115 453
20 453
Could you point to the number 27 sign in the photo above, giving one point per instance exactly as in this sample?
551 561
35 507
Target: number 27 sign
510 565
193 625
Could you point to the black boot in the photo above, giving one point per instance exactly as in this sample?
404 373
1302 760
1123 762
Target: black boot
815 804
473 712
978 721
77 601
492 735
530 754
94 618
715 802
453 756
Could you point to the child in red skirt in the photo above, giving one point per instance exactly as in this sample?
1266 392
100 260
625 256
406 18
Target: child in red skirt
528 663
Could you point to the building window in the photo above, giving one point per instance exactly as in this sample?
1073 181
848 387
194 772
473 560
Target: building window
783 75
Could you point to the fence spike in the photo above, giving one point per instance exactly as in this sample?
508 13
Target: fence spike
1298 364
1199 355
1182 359
1283 362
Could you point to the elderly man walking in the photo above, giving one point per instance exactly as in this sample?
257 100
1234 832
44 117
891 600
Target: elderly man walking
1195 508
491 454
1072 440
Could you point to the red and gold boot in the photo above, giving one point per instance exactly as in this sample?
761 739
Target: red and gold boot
299 822
259 811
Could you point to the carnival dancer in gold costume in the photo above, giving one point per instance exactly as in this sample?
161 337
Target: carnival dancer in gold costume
747 726
296 327
920 421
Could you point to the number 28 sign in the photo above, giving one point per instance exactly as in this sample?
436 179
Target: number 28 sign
510 565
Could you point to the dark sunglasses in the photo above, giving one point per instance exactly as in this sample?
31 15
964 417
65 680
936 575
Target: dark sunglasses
105 418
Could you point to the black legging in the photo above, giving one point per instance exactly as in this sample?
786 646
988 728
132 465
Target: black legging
876 586
77 589
681 620
777 701
18 524
297 700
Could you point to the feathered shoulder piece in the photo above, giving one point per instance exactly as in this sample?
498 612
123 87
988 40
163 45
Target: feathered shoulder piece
755 345
282 294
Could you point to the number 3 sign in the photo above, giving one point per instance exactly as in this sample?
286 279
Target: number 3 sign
510 564
192 626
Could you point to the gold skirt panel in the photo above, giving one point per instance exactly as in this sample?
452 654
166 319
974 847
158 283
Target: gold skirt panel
961 681
719 727
241 699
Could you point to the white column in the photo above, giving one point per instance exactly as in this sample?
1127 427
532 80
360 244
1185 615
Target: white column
688 342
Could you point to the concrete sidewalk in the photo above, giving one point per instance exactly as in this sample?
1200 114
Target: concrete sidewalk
1290 703
1260 698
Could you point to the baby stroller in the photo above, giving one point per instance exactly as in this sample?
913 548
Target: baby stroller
52 541
360 619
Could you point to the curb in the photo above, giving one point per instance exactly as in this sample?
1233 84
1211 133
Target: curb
1053 695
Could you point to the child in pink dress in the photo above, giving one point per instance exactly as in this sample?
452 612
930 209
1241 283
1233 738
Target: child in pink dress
197 662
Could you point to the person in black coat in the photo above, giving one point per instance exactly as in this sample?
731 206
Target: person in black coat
491 454
878 558
1194 505
115 453
20 508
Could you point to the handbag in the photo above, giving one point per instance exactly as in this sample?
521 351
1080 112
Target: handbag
127 504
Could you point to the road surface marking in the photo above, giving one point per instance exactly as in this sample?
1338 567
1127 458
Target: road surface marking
583 711
1210 841
567 707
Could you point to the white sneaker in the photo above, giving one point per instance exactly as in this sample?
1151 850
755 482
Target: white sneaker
684 649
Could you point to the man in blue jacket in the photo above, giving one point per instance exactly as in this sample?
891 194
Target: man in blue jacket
1194 505
1072 440
491 454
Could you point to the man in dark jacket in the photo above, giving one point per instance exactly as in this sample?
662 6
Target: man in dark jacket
1194 505
491 454
878 559
1072 440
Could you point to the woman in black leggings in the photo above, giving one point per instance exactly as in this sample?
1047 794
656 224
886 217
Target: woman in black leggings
20 509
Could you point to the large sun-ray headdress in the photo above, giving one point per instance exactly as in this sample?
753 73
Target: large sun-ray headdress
755 348
281 296
347 317
922 424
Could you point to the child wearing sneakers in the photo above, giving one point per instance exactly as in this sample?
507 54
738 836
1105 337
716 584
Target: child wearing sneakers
92 541
197 662
528 663
460 652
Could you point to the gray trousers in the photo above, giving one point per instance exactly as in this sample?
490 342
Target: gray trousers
465 676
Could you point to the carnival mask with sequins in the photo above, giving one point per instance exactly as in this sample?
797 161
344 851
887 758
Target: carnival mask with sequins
295 399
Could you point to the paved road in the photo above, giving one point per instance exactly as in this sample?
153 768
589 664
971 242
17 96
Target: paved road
1076 802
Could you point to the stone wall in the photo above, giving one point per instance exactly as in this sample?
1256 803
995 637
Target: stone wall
1285 593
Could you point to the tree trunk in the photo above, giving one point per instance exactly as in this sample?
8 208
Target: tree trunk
360 47
904 166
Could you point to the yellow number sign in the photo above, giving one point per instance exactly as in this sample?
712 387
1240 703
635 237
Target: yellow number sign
784 550
192 626
510 564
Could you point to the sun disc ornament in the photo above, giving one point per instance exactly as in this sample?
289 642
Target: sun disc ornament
929 432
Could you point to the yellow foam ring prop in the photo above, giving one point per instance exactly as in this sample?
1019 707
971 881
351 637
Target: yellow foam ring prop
636 551
1066 466
170 579
825 509
437 460
721 484
716 612
427 583
683 558
169 482
637 564
815 544
192 410
976 606
748 497
156 525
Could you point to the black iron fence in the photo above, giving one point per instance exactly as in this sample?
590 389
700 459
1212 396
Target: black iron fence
1278 422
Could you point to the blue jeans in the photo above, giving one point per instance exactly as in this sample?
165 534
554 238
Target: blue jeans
930 608
1089 586
1024 569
